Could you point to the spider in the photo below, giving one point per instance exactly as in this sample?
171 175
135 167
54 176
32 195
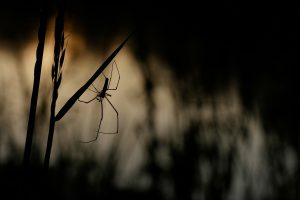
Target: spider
100 96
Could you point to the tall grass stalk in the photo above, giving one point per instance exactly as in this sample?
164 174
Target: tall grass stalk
81 90
59 55
36 83
68 105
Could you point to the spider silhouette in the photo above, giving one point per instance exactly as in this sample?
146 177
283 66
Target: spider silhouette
100 96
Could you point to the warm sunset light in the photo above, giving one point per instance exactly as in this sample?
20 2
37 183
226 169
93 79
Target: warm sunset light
147 102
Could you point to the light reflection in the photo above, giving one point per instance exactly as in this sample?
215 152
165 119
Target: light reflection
12 101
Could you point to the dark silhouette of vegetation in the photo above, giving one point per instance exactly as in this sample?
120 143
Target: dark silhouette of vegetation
59 55
81 90
36 82
205 49
57 69
75 97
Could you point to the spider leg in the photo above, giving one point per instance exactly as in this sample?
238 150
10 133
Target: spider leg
88 101
117 131
116 87
98 126
95 88
92 90
111 71
104 75
101 117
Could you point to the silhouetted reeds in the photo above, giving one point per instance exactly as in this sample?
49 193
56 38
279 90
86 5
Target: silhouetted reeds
81 90
59 55
74 98
36 83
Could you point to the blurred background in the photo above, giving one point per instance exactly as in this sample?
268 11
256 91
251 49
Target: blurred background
207 101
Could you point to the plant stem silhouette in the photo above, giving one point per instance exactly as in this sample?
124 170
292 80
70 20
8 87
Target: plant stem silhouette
36 83
77 94
81 90
59 55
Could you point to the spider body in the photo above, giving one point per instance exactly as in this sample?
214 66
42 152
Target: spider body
100 96
105 88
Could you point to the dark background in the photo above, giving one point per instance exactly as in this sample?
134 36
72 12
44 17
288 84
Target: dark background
208 47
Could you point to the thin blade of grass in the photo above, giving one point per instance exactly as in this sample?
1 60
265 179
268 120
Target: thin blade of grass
61 61
59 32
81 90
36 83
